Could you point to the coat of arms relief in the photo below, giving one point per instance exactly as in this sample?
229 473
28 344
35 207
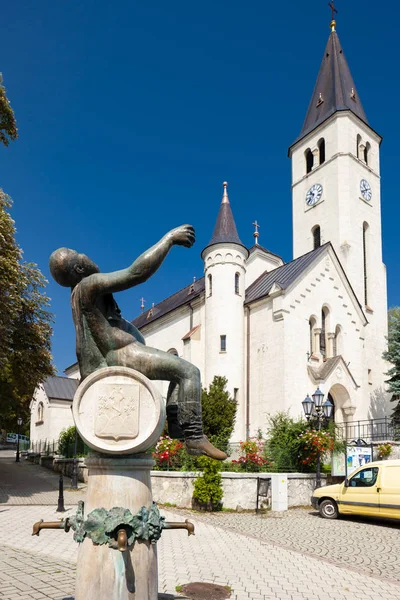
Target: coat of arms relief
117 415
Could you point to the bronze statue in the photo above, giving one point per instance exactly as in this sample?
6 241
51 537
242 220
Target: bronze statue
104 338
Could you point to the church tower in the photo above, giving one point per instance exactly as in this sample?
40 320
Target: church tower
336 190
224 268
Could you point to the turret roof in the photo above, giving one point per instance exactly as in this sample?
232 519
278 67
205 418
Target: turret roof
225 228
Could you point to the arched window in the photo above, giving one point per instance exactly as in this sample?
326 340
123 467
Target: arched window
324 327
337 341
365 260
210 285
40 411
358 145
316 233
237 280
321 147
366 152
312 324
309 160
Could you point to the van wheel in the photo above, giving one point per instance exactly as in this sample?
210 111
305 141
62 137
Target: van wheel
328 509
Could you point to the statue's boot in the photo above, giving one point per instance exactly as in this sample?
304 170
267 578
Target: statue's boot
200 446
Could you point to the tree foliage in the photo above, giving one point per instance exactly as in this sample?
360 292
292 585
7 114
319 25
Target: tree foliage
219 412
8 125
392 355
25 324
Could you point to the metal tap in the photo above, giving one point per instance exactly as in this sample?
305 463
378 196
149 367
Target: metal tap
179 525
122 540
63 524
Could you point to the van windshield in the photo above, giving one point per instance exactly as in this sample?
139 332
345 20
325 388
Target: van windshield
365 478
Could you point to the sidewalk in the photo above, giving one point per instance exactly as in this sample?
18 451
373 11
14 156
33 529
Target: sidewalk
256 569
26 483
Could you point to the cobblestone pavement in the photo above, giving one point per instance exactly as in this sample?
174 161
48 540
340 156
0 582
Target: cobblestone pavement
258 557
364 544
26 483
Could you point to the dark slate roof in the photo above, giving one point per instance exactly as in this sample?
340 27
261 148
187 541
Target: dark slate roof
335 84
60 388
259 247
184 296
225 228
283 276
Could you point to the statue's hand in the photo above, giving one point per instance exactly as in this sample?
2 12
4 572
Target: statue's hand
183 236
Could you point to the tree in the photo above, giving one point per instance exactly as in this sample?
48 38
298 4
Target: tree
392 355
25 324
8 125
219 413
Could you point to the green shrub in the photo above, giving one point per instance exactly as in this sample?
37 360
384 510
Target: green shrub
66 443
208 490
289 447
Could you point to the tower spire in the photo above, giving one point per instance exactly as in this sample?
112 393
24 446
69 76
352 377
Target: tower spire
335 89
225 228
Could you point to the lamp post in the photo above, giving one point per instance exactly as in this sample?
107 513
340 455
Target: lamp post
19 423
315 409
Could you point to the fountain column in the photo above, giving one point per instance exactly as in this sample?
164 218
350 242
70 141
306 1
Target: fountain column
119 414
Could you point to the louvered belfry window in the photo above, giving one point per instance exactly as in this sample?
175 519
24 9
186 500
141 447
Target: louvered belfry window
316 236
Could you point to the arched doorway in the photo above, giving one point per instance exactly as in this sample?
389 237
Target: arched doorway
332 400
340 397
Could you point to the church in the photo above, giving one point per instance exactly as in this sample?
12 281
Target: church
278 330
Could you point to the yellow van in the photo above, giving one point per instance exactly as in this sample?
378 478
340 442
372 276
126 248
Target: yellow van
372 490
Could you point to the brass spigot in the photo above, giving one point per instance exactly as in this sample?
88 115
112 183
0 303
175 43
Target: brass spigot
63 524
179 525
122 540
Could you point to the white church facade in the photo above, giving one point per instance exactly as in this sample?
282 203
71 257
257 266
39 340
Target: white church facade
278 330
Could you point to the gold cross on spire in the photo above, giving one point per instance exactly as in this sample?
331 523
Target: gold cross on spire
256 233
333 9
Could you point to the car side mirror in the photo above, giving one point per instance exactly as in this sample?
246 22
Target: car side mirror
346 482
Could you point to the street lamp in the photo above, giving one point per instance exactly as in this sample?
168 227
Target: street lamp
316 409
19 422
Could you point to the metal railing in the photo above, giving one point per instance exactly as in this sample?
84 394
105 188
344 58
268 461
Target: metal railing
47 447
369 430
51 447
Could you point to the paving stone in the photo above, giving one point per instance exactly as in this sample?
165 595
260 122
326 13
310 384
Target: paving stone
295 557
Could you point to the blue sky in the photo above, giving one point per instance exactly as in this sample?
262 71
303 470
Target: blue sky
131 115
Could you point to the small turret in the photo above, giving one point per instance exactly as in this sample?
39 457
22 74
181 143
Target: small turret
225 269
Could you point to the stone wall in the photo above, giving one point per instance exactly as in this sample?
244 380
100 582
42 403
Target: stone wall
66 465
240 489
176 488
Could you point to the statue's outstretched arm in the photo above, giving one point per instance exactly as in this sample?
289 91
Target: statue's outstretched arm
142 268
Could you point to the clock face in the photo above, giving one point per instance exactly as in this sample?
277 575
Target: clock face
314 194
365 189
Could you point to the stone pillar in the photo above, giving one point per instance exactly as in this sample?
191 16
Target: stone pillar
329 344
104 573
315 153
317 343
